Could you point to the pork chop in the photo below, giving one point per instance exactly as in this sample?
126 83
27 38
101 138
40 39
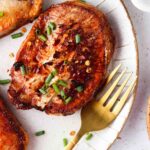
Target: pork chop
63 60
12 135
15 13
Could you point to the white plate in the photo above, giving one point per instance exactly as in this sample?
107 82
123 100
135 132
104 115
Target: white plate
58 127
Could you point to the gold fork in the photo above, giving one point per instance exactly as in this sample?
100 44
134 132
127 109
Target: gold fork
98 115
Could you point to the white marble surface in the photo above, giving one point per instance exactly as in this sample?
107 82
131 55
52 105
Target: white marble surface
134 135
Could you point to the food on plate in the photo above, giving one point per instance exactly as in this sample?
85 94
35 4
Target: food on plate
15 13
12 135
63 61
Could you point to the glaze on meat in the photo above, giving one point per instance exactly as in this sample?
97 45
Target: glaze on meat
71 44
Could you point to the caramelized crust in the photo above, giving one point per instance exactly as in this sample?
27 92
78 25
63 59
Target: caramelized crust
12 135
17 13
80 49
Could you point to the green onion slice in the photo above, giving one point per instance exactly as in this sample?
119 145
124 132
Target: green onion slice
83 1
16 35
42 38
65 142
39 133
79 88
49 31
69 99
62 83
52 25
48 79
56 89
23 70
54 72
1 13
77 38
6 81
63 95
43 90
89 136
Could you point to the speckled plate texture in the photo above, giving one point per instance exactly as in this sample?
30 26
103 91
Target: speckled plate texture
58 127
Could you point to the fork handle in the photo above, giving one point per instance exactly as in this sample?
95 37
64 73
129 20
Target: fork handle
74 141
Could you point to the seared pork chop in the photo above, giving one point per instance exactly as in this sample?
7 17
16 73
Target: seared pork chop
12 135
63 60
15 13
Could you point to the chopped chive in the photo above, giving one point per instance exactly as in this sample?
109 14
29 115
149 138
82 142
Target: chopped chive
83 1
78 38
23 70
48 79
62 83
52 25
16 35
6 81
37 31
54 72
42 90
65 142
89 136
63 95
56 89
39 133
69 99
49 31
1 13
79 88
42 37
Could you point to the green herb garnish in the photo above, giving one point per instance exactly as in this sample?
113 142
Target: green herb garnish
23 70
1 13
43 90
79 88
54 72
69 99
77 38
56 88
39 133
65 142
62 83
83 1
16 35
52 25
48 79
89 136
49 31
42 37
6 81
63 95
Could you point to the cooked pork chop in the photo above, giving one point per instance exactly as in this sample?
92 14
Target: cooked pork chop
12 135
64 59
15 13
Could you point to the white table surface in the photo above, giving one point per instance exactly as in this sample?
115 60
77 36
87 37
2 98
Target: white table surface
134 135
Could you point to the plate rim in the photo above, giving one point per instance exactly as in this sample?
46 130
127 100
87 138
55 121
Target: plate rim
137 71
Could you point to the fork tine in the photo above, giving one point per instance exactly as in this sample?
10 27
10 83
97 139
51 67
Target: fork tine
116 95
107 94
124 98
112 74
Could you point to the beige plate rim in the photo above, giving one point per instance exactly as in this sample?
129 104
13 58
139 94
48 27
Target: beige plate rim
137 70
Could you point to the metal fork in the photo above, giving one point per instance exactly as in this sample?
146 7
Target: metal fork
98 115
